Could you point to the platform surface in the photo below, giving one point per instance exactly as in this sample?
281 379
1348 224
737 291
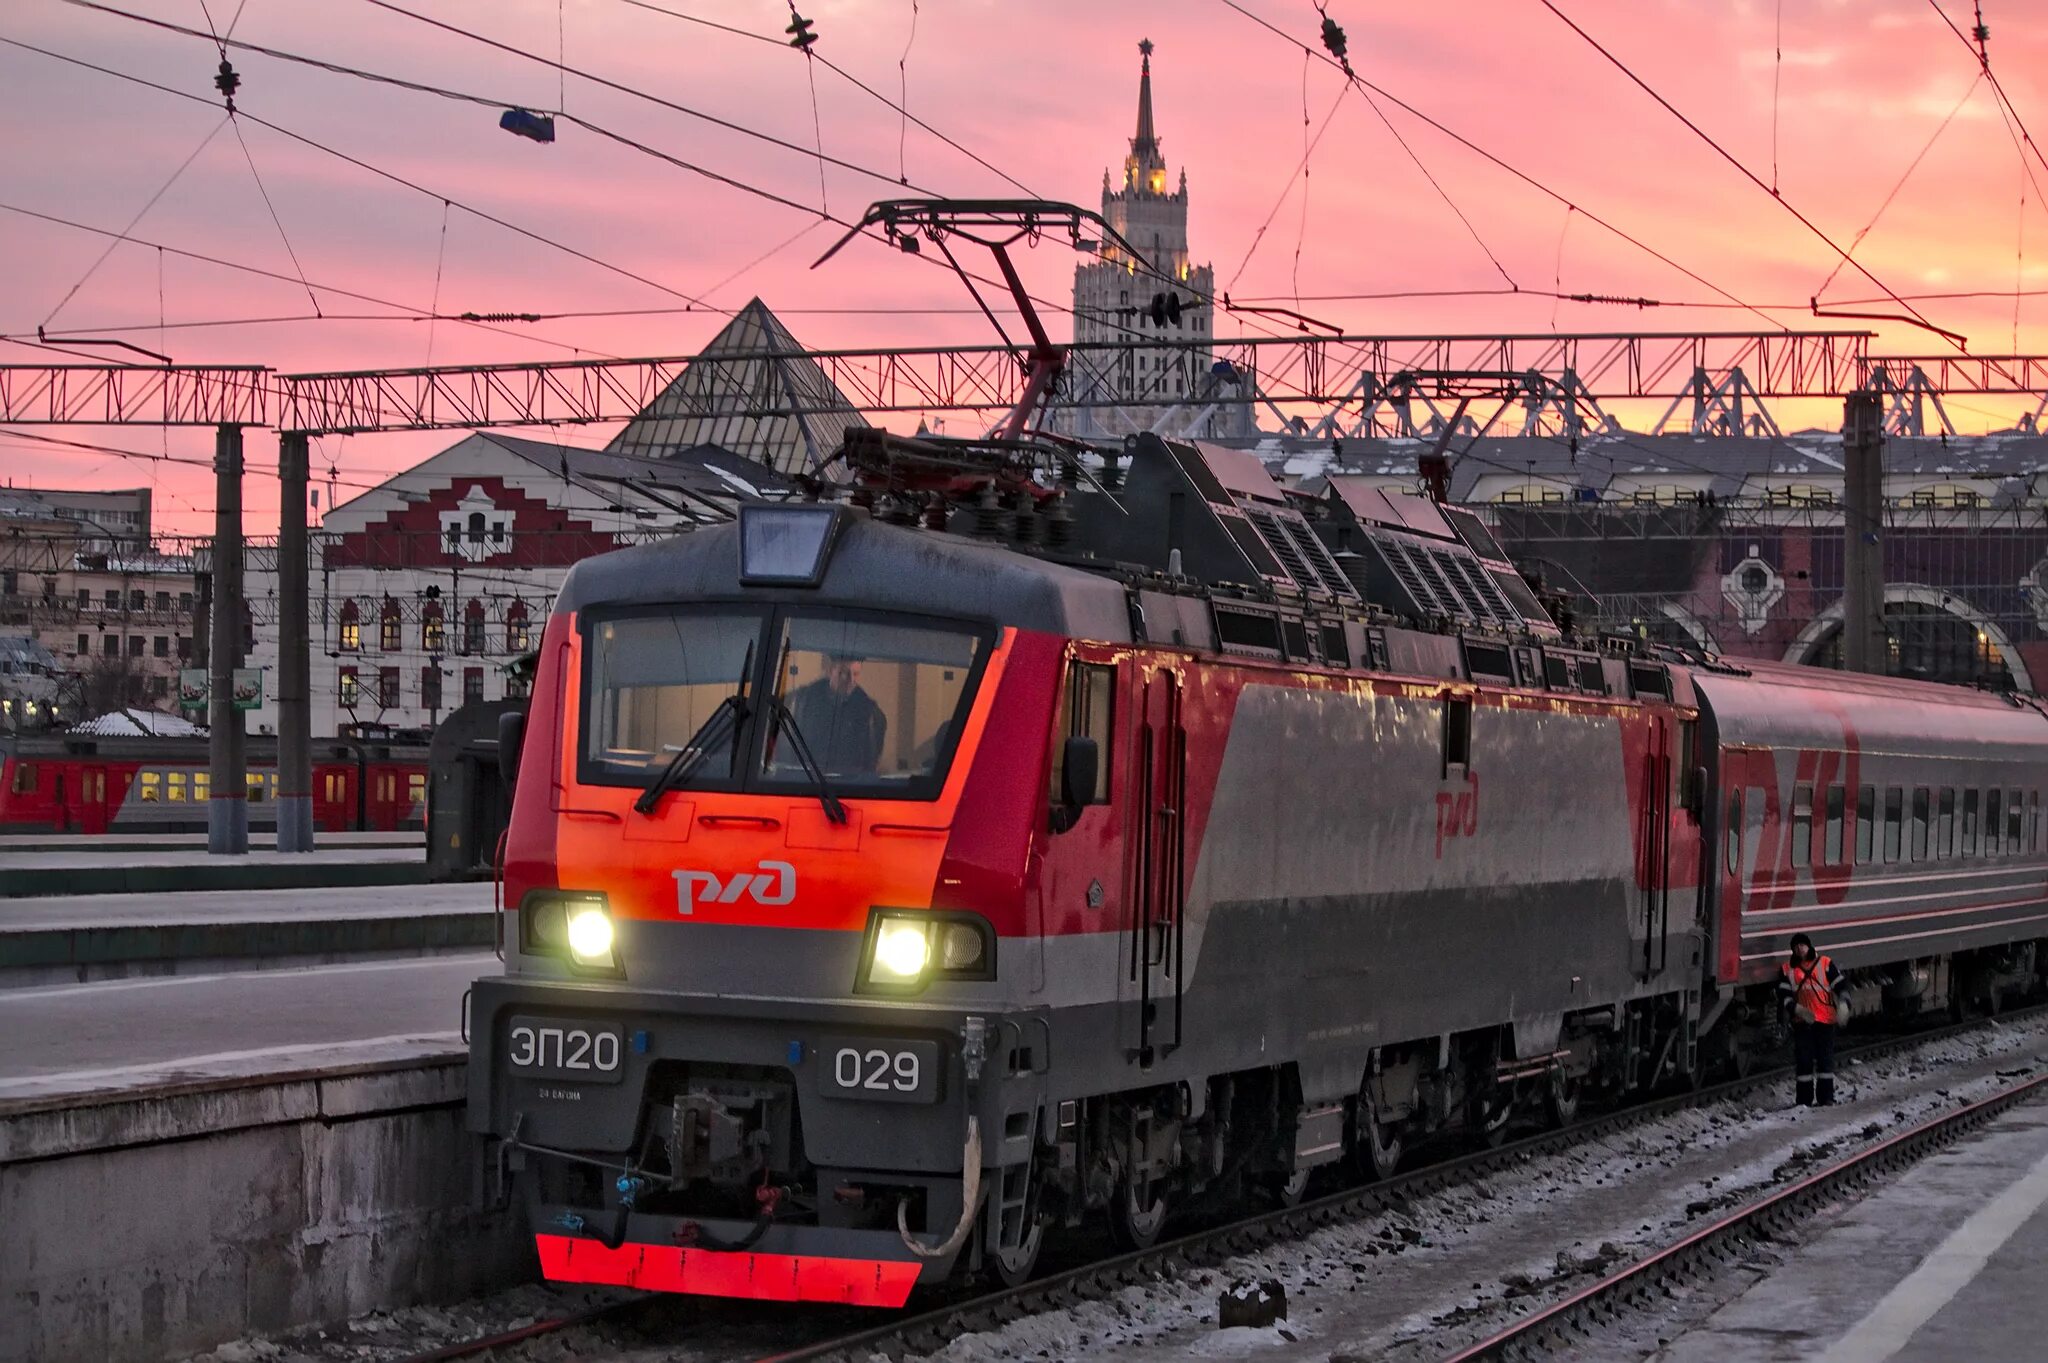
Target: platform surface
239 906
85 1041
1943 1263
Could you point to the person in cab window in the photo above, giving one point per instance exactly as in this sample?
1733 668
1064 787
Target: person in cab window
840 721
1808 985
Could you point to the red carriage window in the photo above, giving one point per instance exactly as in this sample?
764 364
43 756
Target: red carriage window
1866 820
24 778
1802 825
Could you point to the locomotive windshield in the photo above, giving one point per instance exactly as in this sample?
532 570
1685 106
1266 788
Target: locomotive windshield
877 700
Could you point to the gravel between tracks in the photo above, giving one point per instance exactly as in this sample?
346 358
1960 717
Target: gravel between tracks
1450 1268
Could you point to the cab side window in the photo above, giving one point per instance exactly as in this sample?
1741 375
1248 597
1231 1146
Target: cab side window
1087 710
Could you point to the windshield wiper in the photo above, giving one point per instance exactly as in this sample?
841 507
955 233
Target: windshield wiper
834 811
725 720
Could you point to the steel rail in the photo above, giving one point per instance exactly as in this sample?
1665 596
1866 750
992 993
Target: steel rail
930 1330
1564 1326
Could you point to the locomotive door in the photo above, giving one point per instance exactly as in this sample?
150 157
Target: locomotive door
1654 865
1155 870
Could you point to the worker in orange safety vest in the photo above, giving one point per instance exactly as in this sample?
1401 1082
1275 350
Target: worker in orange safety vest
1807 986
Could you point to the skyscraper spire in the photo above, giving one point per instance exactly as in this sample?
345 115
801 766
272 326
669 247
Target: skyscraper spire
1145 168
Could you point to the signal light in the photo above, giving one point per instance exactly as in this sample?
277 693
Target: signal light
520 123
799 30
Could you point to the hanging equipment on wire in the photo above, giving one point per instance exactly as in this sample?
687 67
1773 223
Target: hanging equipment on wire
522 123
227 82
800 31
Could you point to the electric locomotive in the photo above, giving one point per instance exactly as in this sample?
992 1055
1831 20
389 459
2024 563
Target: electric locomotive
891 881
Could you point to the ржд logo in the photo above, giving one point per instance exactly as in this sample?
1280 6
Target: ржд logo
774 882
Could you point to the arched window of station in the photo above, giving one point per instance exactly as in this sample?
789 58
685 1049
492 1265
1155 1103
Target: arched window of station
1930 635
433 627
349 637
390 627
473 627
518 630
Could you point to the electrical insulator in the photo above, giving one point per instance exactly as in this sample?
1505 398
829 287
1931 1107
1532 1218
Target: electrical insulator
1333 38
800 31
227 82
520 123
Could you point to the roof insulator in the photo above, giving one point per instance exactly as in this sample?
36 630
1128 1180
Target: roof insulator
521 123
227 82
800 31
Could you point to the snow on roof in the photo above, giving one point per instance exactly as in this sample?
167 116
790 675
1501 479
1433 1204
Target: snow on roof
133 723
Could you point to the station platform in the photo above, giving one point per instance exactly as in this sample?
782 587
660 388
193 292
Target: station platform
91 867
69 1043
75 938
189 1160
1940 1264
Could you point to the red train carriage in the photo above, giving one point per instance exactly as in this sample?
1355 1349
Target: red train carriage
58 783
880 898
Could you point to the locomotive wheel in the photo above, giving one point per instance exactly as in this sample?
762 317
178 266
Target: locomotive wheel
1561 1099
1136 1215
1379 1145
1013 1267
1282 1192
1493 1129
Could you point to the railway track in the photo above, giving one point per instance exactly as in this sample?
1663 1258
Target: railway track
1563 1328
930 1330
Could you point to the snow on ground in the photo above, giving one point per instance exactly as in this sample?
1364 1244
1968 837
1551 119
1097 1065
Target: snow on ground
1449 1268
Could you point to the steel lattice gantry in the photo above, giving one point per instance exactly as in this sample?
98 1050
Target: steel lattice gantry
1305 375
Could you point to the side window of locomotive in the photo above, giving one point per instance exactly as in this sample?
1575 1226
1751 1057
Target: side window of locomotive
1894 820
1802 825
1945 825
1920 811
1087 710
24 778
656 681
878 703
1834 837
1457 725
1969 823
1866 817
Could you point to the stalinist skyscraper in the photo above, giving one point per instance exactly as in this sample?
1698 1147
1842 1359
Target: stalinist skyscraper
1166 390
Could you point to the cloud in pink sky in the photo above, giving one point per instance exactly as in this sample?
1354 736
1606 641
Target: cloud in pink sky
1043 91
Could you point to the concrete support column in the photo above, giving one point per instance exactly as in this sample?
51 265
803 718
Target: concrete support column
1863 632
227 807
294 694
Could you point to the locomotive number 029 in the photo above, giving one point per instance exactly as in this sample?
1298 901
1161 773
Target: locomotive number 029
555 1048
892 1071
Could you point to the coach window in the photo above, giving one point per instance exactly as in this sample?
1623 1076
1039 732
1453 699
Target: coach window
1969 823
2013 815
1457 735
1894 820
1994 822
147 787
1866 818
1921 804
174 787
1088 707
2033 821
1734 832
1802 825
1945 826
1834 842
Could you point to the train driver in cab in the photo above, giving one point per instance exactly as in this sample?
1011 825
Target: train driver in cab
841 722
1808 983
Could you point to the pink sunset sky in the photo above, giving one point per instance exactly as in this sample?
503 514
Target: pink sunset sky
1046 92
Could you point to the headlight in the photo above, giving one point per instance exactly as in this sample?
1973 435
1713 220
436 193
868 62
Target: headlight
590 935
575 926
905 950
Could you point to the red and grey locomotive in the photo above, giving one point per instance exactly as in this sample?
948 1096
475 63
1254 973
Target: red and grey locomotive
890 883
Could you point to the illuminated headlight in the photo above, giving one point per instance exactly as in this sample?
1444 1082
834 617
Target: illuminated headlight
905 951
590 935
577 926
